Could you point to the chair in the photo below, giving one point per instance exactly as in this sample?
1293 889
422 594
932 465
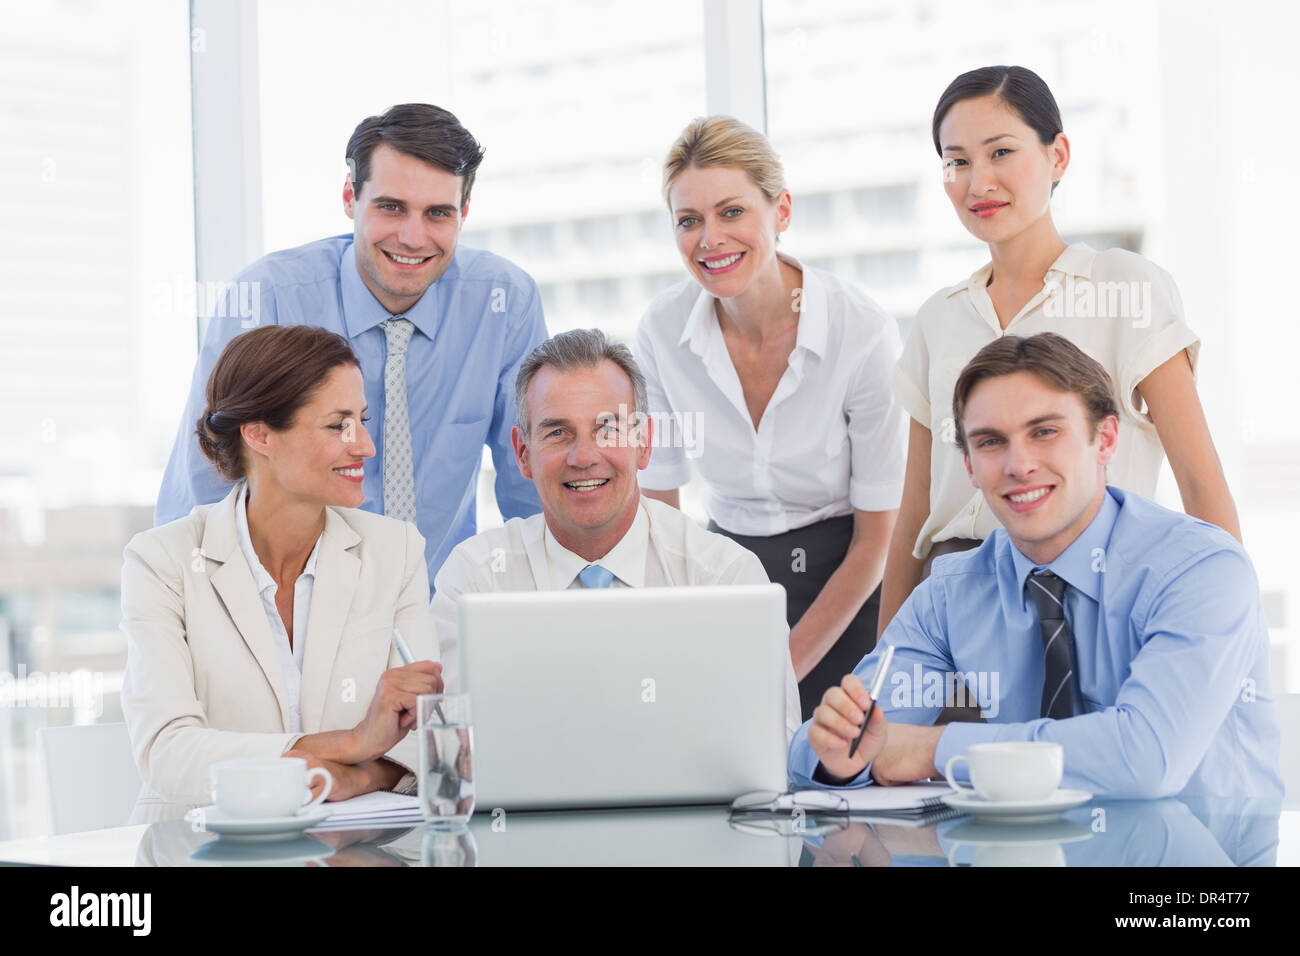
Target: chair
91 776
1288 719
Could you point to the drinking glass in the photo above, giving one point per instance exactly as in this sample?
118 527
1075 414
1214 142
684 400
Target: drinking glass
446 754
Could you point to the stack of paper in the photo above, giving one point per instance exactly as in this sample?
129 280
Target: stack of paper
372 811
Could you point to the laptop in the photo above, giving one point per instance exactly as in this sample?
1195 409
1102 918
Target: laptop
625 696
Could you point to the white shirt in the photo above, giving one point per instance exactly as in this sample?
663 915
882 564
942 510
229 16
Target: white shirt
832 437
290 658
662 548
1120 309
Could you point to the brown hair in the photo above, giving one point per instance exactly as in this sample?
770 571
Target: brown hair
429 133
264 375
725 141
1056 361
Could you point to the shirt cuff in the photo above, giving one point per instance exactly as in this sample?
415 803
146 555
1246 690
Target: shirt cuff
408 785
665 476
883 496
955 740
911 398
822 776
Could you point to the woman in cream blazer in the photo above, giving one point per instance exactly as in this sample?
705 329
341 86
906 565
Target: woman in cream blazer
227 657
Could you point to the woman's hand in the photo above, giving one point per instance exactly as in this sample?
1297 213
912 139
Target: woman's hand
349 780
392 714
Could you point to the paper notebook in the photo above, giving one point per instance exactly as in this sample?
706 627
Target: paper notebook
906 800
376 810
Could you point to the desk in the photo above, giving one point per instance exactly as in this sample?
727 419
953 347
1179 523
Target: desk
1168 832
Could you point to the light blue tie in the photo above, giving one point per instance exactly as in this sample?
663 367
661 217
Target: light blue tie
594 576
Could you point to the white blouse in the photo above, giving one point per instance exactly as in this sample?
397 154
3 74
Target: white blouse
832 438
1116 306
291 658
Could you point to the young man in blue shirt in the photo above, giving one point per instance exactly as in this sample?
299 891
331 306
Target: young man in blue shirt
1130 634
439 331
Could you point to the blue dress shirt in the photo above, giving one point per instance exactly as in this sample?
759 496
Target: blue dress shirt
474 326
1170 649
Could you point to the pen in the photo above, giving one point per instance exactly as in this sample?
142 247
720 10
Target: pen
404 651
877 683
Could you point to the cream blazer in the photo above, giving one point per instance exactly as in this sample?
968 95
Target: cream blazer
203 680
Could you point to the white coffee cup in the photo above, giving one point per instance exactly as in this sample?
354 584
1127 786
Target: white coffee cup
263 789
1014 770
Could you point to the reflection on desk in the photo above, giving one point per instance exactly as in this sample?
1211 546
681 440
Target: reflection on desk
1114 833
1169 832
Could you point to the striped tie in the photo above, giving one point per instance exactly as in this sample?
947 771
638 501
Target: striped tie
399 469
1047 591
594 576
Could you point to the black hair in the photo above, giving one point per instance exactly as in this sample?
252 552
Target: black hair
1021 89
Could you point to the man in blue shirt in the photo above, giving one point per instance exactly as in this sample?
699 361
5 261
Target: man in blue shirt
439 330
1161 683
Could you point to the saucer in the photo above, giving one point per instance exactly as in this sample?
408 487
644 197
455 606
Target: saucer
1016 811
255 829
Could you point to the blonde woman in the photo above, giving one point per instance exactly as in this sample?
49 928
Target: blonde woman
998 131
779 373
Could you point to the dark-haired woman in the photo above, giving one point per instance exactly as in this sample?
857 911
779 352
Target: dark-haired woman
998 133
261 626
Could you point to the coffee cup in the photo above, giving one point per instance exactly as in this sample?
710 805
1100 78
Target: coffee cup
264 789
1012 770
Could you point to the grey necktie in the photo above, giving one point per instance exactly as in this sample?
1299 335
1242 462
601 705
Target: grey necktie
399 468
1047 591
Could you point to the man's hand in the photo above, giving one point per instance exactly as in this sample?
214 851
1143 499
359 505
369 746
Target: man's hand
908 755
392 713
836 723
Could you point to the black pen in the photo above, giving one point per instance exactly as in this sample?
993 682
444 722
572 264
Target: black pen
877 683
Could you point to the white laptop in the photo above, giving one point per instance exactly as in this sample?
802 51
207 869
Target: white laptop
625 696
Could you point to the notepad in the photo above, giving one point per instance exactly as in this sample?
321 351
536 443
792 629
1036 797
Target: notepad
905 800
376 810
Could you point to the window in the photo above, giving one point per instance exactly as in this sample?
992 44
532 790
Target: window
97 316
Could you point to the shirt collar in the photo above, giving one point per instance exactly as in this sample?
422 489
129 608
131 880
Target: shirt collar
1076 260
1084 561
701 324
362 311
626 560
261 576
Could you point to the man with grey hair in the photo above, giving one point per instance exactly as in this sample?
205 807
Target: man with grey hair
583 433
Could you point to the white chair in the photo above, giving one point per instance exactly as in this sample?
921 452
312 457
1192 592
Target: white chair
90 775
1288 719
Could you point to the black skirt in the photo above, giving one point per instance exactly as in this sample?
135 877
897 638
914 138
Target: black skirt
802 561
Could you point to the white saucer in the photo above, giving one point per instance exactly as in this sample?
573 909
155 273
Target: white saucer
264 829
1016 811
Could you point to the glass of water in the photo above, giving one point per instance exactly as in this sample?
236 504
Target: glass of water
446 774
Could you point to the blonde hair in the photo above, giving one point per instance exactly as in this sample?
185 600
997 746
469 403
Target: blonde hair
725 141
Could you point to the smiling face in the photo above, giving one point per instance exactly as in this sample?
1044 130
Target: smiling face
997 173
1032 452
583 454
726 228
318 459
407 221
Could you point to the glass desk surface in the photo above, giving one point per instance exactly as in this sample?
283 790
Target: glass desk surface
1169 832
